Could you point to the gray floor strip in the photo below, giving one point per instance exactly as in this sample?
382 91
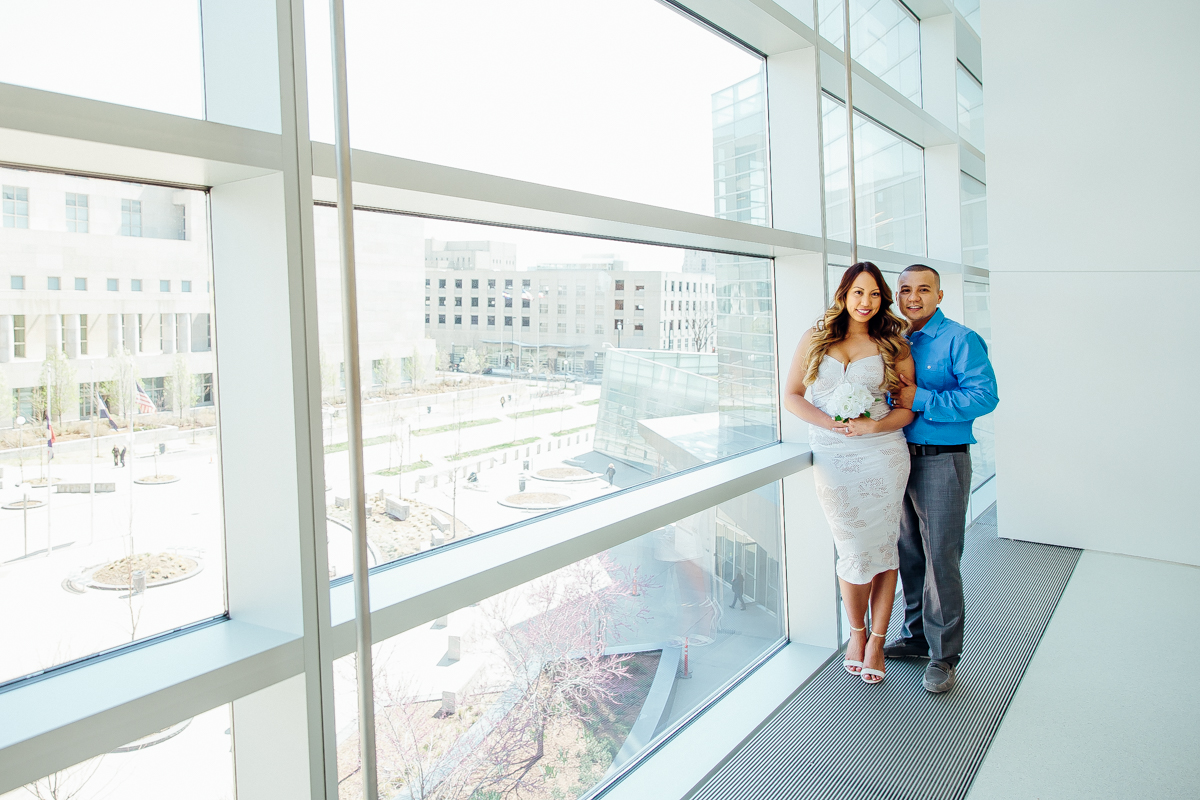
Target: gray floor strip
841 738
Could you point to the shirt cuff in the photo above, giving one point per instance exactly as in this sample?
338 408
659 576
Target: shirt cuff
920 400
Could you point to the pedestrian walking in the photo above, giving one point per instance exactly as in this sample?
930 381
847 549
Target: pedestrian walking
739 586
122 456
116 455
610 473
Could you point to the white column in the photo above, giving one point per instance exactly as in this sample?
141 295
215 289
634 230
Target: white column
183 333
53 333
72 331
943 206
262 239
130 333
115 343
168 333
6 338
939 57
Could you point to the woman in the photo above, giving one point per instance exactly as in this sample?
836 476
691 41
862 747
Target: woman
861 464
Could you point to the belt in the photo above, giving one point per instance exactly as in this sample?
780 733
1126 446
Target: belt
937 449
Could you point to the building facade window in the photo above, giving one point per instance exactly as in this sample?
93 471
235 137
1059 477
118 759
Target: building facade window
164 286
458 319
54 284
135 284
17 282
185 286
114 284
491 321
131 217
81 284
15 206
474 319
441 319
508 322
77 212
83 335
524 322
19 335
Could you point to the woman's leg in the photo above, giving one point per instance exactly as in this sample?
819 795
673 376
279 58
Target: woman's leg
856 597
883 597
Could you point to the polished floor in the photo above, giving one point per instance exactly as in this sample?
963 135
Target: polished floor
1110 704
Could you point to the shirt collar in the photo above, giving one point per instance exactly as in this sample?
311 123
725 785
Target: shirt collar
930 328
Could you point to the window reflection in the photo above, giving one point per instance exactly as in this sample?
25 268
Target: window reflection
549 689
970 107
889 179
655 360
885 38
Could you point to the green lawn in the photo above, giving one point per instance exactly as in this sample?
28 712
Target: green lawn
407 468
471 423
595 402
569 431
485 450
536 411
374 440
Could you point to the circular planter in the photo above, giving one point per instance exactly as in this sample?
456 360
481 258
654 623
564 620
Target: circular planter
22 505
162 569
536 501
156 480
565 474
42 483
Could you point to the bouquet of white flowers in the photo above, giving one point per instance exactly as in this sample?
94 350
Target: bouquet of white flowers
851 400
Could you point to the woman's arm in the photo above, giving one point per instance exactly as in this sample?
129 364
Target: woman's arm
897 418
793 395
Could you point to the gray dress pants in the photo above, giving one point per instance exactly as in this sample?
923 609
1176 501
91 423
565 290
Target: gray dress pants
932 526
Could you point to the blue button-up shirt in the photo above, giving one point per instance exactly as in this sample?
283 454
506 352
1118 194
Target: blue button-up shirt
955 382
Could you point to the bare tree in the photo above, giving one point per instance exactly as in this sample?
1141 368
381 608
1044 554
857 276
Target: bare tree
119 389
58 377
66 783
182 385
700 327
329 377
471 362
387 373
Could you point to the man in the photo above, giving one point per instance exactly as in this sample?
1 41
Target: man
116 455
739 586
955 385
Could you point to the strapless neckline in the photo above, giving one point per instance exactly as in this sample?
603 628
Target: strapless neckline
852 363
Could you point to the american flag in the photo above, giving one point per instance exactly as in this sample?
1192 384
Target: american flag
50 438
144 404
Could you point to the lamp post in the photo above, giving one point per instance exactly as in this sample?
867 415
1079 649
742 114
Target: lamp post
20 444
620 327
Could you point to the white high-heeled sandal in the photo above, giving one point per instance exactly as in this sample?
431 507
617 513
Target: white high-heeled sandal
876 674
849 662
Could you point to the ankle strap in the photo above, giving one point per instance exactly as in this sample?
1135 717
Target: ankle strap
856 630
880 635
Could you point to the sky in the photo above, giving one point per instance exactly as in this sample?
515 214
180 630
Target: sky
612 98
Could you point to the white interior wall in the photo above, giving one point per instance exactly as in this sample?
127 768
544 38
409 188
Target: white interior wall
1093 165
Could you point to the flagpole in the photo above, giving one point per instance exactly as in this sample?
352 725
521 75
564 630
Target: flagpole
50 453
92 464
132 412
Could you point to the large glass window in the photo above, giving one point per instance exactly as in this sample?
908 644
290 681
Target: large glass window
145 55
974 222
110 515
552 688
472 428
977 315
16 206
520 92
889 174
190 760
970 108
970 11
740 151
884 37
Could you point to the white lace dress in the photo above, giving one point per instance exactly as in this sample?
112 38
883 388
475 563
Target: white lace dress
860 479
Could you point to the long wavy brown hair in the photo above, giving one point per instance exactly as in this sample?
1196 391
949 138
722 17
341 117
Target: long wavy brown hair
886 329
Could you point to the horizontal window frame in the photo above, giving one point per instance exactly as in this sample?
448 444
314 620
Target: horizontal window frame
414 591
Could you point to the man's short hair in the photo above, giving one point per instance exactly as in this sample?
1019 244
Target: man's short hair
923 268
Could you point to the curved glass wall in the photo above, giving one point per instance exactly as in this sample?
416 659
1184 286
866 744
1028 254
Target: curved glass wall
889 174
884 37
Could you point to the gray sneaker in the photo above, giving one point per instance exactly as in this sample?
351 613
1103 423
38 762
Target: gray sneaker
939 677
